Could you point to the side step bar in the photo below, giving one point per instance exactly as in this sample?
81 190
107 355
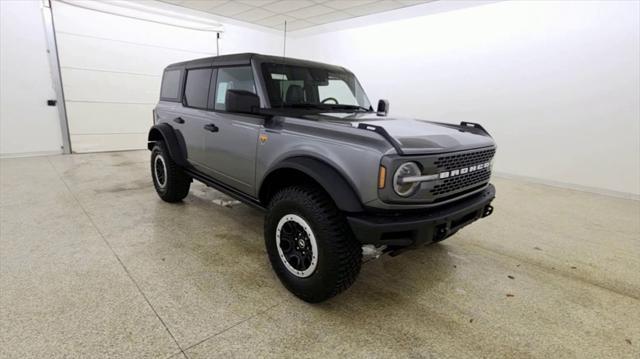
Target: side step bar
229 191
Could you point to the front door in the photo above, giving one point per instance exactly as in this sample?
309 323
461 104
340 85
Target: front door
231 139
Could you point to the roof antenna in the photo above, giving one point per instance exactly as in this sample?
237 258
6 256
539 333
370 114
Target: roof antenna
284 45
217 44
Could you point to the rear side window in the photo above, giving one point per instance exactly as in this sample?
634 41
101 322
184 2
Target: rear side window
170 89
196 89
232 78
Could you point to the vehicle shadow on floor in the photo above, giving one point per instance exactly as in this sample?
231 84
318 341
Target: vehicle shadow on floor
416 270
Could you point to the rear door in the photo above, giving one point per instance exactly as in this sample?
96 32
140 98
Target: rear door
194 115
231 139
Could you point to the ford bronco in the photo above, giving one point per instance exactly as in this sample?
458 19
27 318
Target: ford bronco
336 179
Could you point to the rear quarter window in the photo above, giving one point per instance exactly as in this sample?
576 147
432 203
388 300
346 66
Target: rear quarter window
170 89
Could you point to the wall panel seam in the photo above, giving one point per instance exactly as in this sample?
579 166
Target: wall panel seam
110 71
112 102
135 43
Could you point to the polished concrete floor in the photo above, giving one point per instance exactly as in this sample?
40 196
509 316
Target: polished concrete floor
94 264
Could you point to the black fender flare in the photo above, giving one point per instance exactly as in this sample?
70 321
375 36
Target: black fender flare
172 139
332 181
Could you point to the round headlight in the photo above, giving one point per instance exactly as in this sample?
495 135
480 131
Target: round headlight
408 169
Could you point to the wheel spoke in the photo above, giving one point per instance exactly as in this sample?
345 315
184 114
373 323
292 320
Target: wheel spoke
286 245
306 261
287 228
294 260
288 236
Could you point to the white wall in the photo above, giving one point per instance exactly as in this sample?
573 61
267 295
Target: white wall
112 67
27 125
557 83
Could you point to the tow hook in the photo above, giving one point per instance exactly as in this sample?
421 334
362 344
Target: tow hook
487 211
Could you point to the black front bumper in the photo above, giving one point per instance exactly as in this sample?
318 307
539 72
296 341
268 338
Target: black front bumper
402 229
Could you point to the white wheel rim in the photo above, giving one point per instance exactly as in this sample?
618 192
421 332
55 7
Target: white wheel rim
305 272
156 172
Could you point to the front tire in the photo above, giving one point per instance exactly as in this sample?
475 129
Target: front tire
171 183
310 245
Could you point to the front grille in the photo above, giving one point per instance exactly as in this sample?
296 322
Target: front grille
453 162
462 181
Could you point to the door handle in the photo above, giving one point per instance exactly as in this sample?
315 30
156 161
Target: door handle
211 127
178 120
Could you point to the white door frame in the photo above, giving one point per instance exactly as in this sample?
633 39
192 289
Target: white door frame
56 76
157 14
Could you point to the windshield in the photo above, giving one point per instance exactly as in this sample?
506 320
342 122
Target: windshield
314 88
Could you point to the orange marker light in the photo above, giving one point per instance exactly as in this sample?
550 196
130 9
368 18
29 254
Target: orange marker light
382 177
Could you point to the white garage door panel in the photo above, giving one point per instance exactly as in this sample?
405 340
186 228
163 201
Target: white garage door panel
88 53
111 71
107 142
109 118
100 86
75 20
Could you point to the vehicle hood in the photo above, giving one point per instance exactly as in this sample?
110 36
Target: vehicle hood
417 136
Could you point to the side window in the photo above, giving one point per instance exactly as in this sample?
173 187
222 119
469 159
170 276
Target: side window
196 88
232 78
170 89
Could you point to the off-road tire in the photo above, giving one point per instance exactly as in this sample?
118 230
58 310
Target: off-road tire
339 253
175 185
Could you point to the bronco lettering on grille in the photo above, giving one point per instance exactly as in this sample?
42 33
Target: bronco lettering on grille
461 171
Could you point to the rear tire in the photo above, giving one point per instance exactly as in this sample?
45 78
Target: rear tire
171 183
310 245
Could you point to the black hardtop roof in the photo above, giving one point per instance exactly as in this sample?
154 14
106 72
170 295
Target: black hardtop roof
246 58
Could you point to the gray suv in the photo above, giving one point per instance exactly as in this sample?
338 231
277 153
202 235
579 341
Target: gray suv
336 179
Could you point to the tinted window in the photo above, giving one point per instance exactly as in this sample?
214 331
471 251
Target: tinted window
337 90
233 78
170 85
316 87
196 89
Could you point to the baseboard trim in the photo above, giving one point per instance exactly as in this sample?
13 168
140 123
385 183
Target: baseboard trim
30 154
572 186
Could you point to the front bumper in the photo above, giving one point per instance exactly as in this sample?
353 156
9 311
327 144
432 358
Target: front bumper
403 230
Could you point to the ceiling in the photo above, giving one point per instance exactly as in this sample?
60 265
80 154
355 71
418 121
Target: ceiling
299 14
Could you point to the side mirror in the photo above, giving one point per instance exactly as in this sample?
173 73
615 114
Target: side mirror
241 101
383 107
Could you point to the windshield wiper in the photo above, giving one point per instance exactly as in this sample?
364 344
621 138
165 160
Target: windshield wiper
350 107
322 106
305 105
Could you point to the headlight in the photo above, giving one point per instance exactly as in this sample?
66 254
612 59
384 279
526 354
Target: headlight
408 169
